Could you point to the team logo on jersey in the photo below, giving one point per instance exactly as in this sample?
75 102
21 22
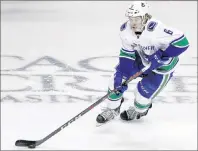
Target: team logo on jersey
151 26
143 48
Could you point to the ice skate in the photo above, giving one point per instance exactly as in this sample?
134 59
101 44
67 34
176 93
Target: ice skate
108 114
132 114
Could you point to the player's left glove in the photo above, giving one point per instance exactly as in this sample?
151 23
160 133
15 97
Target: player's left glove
157 60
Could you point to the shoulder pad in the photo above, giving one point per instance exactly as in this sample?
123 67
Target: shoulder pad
151 26
123 27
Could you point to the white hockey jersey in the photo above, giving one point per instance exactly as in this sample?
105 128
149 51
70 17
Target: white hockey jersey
155 36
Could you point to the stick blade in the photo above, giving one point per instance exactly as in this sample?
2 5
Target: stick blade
25 143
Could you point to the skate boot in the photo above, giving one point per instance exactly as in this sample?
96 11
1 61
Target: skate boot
109 114
132 114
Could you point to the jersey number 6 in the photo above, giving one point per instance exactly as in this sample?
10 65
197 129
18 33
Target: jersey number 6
168 31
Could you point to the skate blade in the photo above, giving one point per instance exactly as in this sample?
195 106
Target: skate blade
101 124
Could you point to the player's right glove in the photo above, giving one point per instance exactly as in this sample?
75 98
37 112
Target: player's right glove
120 88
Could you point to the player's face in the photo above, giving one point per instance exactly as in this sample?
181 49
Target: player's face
136 22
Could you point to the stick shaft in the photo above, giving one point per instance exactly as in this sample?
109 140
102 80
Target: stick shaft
84 111
73 119
38 142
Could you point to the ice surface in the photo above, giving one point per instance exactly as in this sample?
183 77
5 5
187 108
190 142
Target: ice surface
72 32
167 126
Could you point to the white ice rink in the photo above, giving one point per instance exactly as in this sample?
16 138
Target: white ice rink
76 43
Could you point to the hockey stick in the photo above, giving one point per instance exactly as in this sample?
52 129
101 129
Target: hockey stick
33 144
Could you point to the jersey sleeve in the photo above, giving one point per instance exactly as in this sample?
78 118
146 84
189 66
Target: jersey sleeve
172 41
127 55
125 44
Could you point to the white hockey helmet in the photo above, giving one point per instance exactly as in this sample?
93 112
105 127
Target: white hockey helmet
137 8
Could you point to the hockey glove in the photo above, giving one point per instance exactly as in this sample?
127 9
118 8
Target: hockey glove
157 60
120 88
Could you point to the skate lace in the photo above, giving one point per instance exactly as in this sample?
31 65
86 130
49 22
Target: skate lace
132 113
109 113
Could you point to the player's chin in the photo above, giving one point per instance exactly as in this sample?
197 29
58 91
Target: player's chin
133 27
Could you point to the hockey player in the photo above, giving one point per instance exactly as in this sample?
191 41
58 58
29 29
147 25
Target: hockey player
144 41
